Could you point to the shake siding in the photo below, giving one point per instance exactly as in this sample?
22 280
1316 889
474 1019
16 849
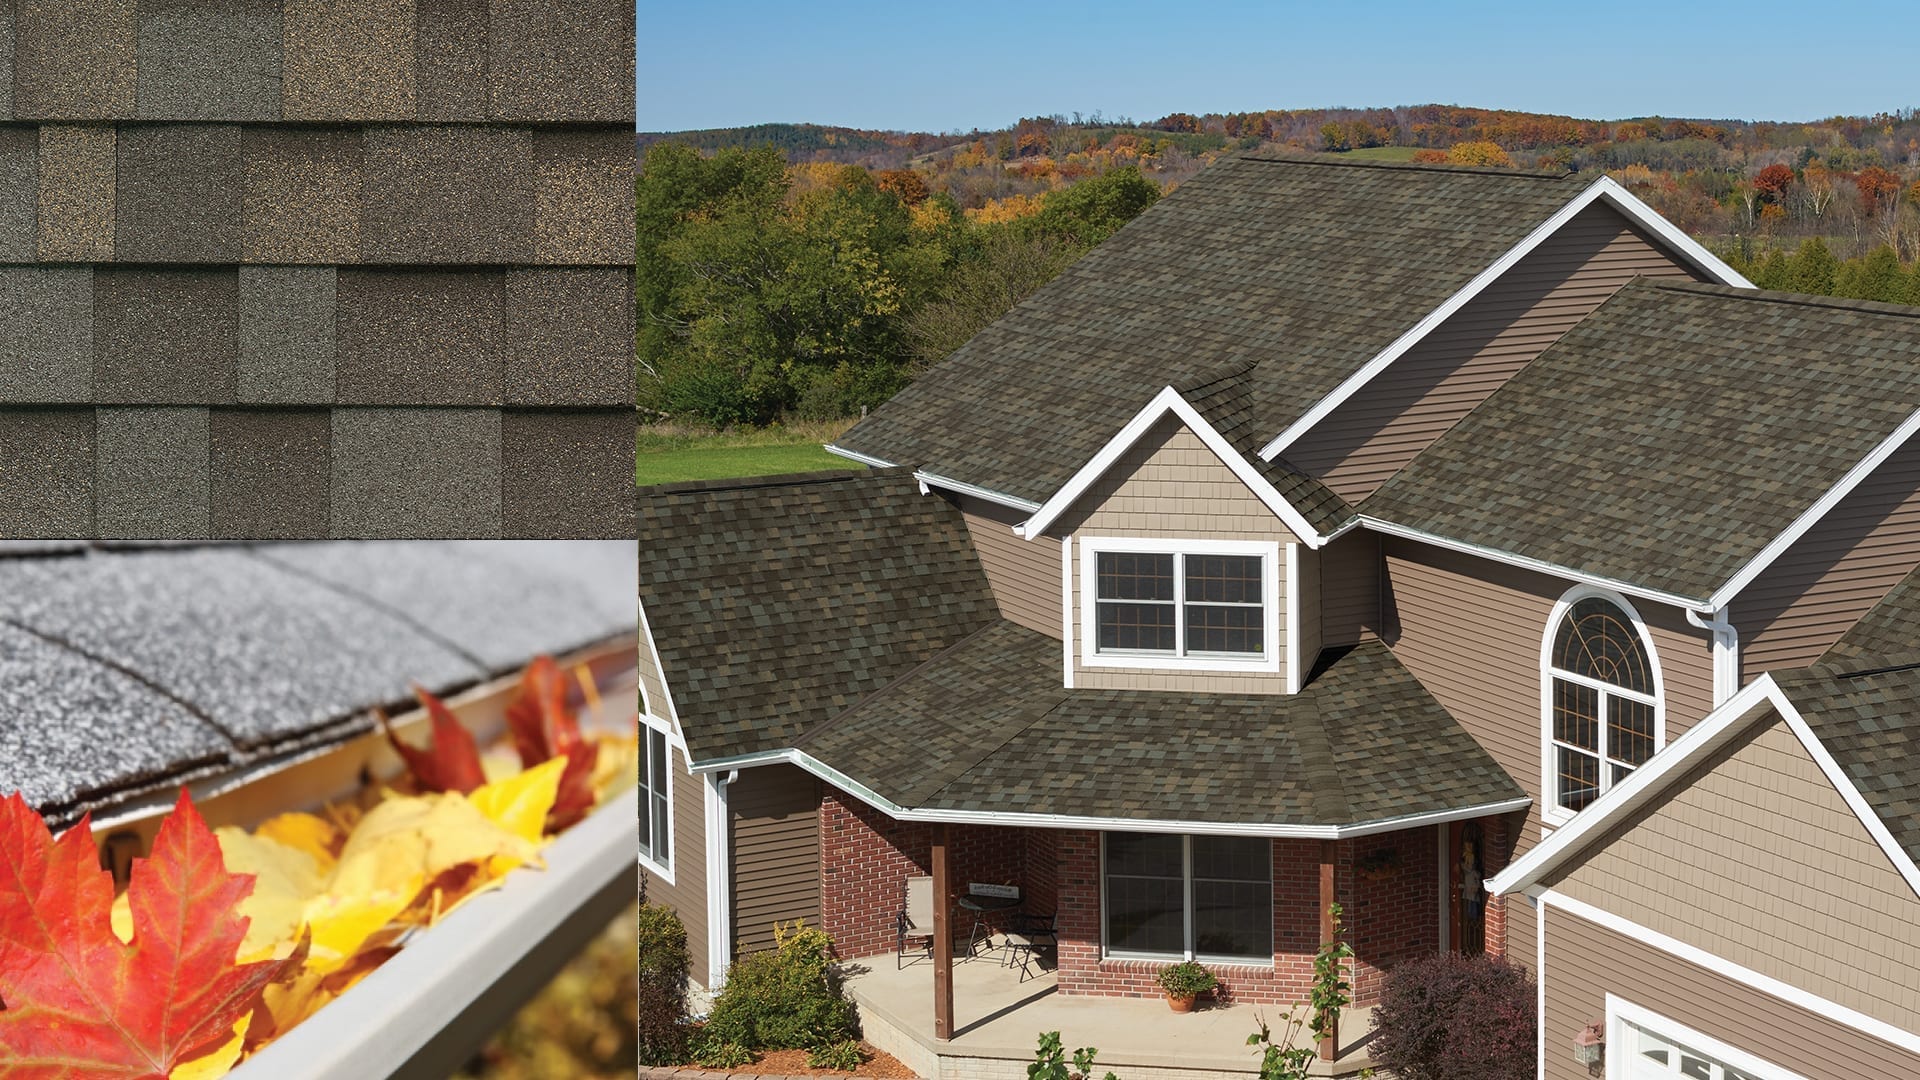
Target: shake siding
776 852
1585 962
687 896
1419 396
653 691
1756 858
1350 588
1024 574
1801 604
1171 486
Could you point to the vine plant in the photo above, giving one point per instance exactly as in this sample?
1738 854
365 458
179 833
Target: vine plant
1330 987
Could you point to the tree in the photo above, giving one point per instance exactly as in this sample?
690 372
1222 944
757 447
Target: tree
1772 182
1478 153
1877 276
1092 210
1813 268
1006 270
1878 187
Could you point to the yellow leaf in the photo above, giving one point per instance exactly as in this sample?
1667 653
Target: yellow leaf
292 1002
519 804
342 923
310 833
405 839
616 770
284 879
121 918
217 1063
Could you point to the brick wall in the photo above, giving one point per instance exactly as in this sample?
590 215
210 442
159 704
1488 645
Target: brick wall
1393 911
1500 836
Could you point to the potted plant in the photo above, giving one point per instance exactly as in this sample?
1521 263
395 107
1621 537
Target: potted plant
1185 981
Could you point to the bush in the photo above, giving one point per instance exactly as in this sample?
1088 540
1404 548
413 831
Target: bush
1187 979
1450 1017
719 1054
787 999
664 964
843 1056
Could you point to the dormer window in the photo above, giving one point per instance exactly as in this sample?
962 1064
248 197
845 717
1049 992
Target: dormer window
1202 604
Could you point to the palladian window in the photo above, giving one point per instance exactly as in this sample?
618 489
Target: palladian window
1603 701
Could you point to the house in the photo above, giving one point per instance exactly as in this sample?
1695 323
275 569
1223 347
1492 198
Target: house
1379 518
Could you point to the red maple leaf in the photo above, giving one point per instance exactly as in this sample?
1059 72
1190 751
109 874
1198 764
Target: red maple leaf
544 728
78 1002
451 762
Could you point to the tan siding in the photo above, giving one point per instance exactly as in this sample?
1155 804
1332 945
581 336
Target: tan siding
1800 605
687 895
1350 588
1308 631
1585 962
1405 408
776 851
1170 485
1757 859
653 693
1024 574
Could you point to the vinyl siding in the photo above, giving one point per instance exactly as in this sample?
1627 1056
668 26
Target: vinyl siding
687 895
1350 588
776 852
653 688
1170 485
1419 396
1585 962
1024 574
1308 632
1799 606
1756 858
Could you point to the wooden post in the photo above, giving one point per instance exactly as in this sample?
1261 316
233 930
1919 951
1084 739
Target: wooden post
1329 1046
942 940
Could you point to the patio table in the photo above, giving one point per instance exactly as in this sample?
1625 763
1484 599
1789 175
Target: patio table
981 906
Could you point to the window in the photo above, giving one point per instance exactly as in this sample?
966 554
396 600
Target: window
1603 713
1642 1045
656 804
1186 603
1179 897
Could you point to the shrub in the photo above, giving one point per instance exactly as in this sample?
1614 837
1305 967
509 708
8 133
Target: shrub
719 1054
788 999
664 963
1187 979
843 1056
1050 1061
1450 1017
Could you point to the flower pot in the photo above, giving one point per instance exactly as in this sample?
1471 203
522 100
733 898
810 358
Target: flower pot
1180 1004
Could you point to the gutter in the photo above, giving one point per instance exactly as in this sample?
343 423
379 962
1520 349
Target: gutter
1726 652
928 480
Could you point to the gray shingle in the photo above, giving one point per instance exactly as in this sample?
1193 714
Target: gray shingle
179 191
400 473
46 488
421 337
74 59
286 347
567 474
606 571
270 473
76 193
19 190
1888 635
570 334
565 60
450 60
46 338
450 194
348 61
1869 721
6 62
209 60
151 480
165 336
302 194
584 207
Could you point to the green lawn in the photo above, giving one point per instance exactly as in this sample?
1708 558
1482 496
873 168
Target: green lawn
671 453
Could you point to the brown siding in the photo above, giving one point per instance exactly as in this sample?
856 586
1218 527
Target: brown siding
1308 637
1024 574
687 894
1585 962
1756 858
1419 396
1170 485
776 851
1350 588
1799 606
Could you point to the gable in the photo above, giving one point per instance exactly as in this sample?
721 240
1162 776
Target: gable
1755 857
1170 483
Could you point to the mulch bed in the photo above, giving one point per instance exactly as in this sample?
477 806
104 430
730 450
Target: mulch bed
794 1063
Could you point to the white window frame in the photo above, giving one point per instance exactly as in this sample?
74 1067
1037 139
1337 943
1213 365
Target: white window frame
1552 813
1268 551
1621 1012
648 862
1186 913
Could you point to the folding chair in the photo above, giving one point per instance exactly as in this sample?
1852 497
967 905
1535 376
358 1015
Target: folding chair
1028 935
915 920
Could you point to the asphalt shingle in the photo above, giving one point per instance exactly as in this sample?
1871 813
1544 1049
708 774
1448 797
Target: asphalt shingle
6 62
76 193
165 336
19 191
1888 635
450 60
449 194
421 337
401 473
348 61
302 194
46 488
179 188
286 329
584 196
562 60
152 473
570 337
46 337
566 474
1869 721
74 59
270 473
209 60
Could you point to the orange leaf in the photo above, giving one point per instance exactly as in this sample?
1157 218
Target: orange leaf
451 762
543 728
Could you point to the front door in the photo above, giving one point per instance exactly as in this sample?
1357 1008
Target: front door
1466 890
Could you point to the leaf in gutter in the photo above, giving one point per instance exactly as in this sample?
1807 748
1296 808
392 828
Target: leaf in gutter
519 803
79 1001
310 833
451 762
544 728
218 1063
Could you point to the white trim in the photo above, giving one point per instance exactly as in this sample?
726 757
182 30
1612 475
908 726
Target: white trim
675 733
1621 1012
1766 984
1012 502
1604 188
1295 676
1806 521
649 861
1168 400
1724 651
854 455
719 825
1066 610
1551 812
1268 551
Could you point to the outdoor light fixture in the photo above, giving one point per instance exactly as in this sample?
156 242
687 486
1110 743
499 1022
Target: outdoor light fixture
1590 1046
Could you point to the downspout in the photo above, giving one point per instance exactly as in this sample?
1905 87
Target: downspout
719 879
1726 652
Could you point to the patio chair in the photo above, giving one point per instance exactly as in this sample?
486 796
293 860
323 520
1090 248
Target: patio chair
1028 935
915 920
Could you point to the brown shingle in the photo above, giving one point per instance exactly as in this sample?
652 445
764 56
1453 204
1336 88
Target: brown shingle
415 473
571 337
562 60
76 193
152 476
567 474
449 194
349 61
421 337
209 60
165 336
585 193
303 194
46 488
270 473
6 62
19 192
74 59
178 194
451 60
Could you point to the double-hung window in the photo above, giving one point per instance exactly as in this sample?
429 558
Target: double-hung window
656 796
1603 701
1166 896
1202 604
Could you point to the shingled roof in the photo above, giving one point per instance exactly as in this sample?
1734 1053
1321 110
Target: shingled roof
128 670
1869 721
290 270
1294 270
1667 438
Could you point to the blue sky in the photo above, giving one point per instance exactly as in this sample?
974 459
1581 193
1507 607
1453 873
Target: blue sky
985 63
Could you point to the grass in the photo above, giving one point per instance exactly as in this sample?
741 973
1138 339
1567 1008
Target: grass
670 452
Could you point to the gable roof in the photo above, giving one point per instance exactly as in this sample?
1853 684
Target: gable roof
1674 441
1296 271
776 602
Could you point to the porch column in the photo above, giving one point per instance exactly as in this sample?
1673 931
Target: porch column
942 940
1329 1046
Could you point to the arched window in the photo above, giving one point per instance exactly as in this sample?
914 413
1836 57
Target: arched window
1602 700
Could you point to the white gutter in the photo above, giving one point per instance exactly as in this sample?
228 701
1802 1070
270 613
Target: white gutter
854 455
1726 652
928 479
719 832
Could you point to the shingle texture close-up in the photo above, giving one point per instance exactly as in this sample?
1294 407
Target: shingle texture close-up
420 206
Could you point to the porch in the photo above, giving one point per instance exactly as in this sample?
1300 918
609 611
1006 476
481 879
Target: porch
997 1021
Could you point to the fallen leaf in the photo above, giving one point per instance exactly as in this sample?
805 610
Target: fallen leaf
451 762
284 879
519 803
218 1063
544 728
310 833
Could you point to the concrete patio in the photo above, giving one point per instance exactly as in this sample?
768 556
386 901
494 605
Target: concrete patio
998 1019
